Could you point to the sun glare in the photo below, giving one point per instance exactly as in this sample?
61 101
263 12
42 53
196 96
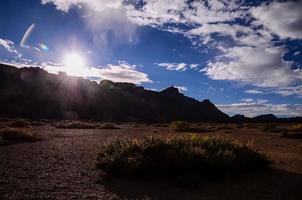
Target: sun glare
74 65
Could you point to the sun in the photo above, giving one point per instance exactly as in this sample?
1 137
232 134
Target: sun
74 65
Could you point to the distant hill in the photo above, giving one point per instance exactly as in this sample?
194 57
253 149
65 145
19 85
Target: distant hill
264 118
35 93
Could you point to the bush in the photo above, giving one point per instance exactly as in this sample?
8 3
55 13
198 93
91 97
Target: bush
271 128
76 125
295 128
182 126
2 142
109 126
161 125
20 123
292 135
11 135
175 157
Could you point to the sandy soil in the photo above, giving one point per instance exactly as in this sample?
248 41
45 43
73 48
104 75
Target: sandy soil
61 166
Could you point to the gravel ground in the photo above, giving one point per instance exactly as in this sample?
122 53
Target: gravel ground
61 166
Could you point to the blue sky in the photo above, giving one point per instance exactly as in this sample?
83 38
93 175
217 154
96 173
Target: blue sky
245 56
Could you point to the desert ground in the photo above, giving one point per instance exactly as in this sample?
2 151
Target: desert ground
61 165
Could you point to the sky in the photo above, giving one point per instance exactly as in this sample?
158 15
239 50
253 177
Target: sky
245 56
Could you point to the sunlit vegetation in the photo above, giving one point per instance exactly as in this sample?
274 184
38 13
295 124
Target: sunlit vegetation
182 126
294 132
179 157
10 135
295 128
77 125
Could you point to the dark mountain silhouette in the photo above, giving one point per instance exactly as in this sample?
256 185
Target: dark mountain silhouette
238 118
266 117
35 93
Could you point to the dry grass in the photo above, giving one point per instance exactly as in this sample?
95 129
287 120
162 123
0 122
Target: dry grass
10 135
294 128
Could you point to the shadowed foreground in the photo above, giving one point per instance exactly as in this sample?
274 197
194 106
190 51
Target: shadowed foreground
61 166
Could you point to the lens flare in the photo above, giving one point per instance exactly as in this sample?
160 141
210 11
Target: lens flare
44 47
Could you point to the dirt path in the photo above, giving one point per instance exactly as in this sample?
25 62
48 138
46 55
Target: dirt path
61 166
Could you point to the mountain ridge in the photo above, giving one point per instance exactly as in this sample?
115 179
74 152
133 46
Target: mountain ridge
34 93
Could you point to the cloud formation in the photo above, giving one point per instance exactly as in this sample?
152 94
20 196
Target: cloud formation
253 91
281 18
259 66
123 72
177 66
182 88
9 46
120 72
106 19
255 108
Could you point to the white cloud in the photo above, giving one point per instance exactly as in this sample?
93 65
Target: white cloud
289 91
156 13
252 109
106 19
253 91
182 88
9 46
203 14
121 72
247 100
194 66
177 66
174 66
259 66
66 5
281 18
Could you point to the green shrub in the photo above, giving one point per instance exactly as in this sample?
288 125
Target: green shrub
76 125
182 126
182 156
12 134
271 128
109 126
2 141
